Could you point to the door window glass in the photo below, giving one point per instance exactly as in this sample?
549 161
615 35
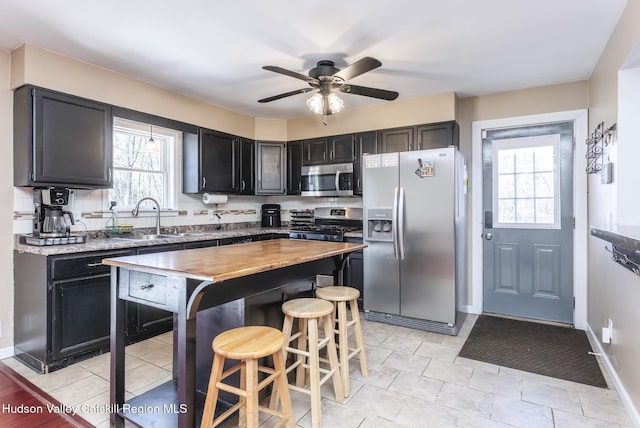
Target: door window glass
526 182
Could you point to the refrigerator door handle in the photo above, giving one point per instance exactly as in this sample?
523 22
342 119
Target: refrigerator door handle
394 225
401 228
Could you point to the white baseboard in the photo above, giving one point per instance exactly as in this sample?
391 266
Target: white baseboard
467 309
6 352
622 392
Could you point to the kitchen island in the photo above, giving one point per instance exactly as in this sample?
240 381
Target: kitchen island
196 282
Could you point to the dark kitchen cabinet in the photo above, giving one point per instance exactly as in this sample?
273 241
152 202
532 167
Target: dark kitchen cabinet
397 140
353 273
61 307
437 135
210 162
61 140
314 151
294 166
341 148
247 167
334 149
270 170
218 161
421 137
365 143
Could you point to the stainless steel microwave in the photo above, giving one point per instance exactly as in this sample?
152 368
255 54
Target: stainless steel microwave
327 180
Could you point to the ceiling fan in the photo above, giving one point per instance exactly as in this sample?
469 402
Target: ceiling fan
327 79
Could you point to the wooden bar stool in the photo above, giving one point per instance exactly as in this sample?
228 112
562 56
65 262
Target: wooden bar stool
340 296
309 312
248 344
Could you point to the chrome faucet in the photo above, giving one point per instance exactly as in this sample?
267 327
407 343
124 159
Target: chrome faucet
135 211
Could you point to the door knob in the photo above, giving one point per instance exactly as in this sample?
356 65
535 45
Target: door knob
488 236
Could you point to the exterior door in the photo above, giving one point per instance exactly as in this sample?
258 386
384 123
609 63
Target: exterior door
528 222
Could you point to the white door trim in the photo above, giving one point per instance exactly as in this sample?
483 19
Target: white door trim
581 231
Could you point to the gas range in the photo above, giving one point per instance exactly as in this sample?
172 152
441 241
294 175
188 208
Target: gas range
330 224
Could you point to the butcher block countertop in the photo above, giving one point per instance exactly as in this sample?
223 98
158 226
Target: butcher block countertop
218 264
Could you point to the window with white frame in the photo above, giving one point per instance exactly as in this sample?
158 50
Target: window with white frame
526 182
139 172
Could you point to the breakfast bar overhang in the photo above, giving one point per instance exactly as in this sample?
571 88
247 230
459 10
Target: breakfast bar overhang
188 281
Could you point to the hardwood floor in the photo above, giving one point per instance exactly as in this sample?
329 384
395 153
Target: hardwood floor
25 405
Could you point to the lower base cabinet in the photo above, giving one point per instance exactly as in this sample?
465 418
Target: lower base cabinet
354 271
80 325
61 307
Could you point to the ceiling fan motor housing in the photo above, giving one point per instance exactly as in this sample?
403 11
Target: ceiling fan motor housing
323 68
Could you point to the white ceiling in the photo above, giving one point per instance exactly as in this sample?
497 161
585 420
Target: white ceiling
214 50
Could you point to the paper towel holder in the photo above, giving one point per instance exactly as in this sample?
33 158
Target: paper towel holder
214 199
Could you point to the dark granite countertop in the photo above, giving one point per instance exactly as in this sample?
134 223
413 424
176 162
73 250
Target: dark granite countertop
120 243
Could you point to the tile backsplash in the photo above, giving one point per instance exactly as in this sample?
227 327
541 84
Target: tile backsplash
89 208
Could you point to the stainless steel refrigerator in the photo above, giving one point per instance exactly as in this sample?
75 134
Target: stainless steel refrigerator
415 228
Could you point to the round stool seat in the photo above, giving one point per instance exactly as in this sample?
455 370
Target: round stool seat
337 293
307 308
249 342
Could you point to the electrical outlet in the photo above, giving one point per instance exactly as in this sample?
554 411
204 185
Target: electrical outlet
209 214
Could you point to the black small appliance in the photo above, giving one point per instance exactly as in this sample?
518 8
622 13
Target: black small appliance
271 215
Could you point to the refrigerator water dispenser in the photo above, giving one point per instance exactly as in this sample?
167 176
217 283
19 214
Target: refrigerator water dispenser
379 224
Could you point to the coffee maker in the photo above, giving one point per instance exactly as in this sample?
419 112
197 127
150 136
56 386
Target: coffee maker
52 211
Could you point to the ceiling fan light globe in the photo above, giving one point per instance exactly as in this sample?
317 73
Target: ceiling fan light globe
335 103
316 103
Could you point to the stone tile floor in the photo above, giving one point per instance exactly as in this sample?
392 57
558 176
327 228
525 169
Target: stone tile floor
416 379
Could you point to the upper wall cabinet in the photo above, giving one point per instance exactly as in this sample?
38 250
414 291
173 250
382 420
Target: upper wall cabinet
61 140
396 140
421 137
437 135
210 162
270 168
366 143
327 150
294 167
247 167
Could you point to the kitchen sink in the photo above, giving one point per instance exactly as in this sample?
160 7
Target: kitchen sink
189 234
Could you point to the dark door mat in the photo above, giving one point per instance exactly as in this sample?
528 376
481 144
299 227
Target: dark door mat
548 350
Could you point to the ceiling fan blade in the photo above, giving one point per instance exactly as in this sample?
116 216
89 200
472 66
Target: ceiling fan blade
357 68
290 73
369 92
286 94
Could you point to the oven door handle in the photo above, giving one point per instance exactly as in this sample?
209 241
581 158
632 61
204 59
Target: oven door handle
337 181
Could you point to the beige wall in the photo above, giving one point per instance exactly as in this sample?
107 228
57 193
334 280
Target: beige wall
436 108
6 194
614 292
40 67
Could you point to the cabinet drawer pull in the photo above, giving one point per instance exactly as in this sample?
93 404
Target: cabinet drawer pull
146 287
94 264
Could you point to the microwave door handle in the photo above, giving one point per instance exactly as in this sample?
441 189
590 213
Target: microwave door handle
337 181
